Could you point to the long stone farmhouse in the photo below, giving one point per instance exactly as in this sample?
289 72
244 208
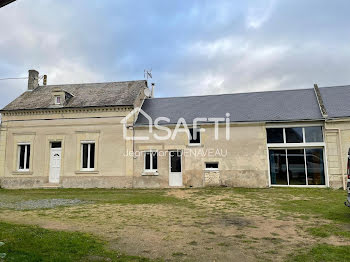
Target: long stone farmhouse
95 135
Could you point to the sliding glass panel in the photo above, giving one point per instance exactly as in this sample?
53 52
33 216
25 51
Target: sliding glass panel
315 166
296 167
294 135
274 135
313 134
278 167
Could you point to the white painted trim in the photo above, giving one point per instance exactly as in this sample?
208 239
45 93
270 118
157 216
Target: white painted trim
282 125
181 165
25 156
82 143
295 145
151 170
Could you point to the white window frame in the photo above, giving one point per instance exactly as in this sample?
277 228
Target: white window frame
211 169
56 98
198 130
25 156
305 145
151 170
82 143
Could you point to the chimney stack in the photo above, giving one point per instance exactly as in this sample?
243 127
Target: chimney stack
152 91
33 79
45 80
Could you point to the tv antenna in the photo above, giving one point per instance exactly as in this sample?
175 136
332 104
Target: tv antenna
147 74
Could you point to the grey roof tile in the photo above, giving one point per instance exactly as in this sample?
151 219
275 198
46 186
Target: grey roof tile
84 95
288 105
336 100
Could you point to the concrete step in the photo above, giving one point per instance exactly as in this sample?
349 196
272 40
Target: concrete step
50 185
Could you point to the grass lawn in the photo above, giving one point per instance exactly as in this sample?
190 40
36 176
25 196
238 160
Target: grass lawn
210 224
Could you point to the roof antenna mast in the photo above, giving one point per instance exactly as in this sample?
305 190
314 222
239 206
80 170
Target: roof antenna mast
147 74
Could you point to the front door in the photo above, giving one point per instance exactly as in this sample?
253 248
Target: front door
175 174
55 163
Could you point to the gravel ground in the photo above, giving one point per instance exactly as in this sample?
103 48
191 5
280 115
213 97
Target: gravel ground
42 203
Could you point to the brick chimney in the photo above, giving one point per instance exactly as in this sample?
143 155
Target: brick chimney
33 79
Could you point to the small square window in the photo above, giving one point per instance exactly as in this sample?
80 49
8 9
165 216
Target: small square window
212 166
313 134
294 135
57 100
274 135
194 136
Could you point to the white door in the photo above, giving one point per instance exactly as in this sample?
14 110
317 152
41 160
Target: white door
175 174
55 165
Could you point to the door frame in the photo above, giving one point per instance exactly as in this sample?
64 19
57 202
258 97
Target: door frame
178 150
61 162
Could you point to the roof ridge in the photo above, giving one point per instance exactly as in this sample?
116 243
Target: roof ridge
93 83
242 93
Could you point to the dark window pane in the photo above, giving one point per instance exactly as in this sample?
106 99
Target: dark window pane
296 167
211 165
85 155
148 160
194 136
294 135
28 156
92 155
313 134
315 166
274 135
56 145
175 158
21 156
154 159
278 167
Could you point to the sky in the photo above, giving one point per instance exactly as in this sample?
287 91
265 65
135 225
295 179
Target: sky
193 47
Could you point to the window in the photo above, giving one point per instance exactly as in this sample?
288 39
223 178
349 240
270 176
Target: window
296 156
88 156
195 136
212 166
313 134
274 135
295 135
151 161
57 100
23 157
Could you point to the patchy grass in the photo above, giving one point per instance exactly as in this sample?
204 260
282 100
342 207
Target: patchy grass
329 230
324 253
207 224
111 196
29 243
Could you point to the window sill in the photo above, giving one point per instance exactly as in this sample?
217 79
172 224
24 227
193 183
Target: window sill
194 145
211 170
83 172
150 173
22 173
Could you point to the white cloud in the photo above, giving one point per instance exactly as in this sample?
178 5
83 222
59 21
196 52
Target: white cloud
258 15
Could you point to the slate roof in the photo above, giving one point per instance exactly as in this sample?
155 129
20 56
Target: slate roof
287 105
84 95
336 100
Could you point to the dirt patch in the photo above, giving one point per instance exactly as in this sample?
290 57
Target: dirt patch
218 227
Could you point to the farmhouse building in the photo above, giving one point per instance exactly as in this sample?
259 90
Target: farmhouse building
117 135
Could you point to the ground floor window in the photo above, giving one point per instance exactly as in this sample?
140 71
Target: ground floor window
151 161
88 156
23 157
302 166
